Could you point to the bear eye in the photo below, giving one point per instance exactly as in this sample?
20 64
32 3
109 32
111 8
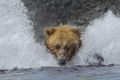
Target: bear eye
57 46
67 47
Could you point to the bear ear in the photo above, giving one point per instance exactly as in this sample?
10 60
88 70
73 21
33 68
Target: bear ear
77 31
49 31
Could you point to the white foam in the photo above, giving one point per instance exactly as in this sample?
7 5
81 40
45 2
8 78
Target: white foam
102 36
17 46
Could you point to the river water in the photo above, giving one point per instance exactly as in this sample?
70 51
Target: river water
21 58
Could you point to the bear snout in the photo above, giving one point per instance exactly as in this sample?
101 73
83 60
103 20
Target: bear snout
62 62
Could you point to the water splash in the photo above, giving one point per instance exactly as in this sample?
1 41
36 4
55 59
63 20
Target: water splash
17 46
102 36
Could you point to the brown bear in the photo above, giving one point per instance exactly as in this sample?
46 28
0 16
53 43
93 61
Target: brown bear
63 41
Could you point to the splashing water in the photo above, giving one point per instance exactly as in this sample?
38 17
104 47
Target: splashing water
17 46
102 36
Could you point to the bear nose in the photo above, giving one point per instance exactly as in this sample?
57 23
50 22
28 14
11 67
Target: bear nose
62 62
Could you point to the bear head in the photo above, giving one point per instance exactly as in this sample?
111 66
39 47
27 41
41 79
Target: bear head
63 41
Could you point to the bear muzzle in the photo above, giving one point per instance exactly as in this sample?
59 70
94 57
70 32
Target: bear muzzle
62 62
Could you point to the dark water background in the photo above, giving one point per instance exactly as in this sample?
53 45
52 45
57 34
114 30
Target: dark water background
49 13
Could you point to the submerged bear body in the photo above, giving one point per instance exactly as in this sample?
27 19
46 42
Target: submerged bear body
63 41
